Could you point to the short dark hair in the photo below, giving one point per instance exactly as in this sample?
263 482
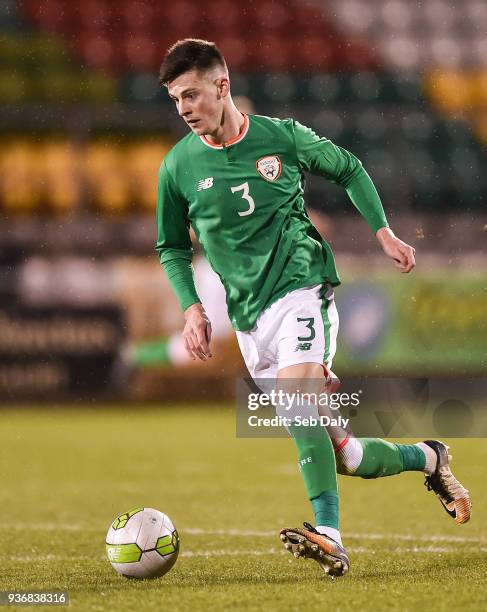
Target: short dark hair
189 54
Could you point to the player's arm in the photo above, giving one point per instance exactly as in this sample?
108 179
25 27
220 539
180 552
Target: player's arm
320 156
175 254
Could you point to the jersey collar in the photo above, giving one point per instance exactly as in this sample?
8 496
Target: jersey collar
240 136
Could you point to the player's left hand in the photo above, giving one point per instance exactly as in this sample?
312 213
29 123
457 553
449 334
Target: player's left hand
399 251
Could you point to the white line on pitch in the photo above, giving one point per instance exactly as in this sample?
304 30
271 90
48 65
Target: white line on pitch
351 536
256 533
237 553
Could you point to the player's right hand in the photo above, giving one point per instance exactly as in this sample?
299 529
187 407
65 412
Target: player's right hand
197 332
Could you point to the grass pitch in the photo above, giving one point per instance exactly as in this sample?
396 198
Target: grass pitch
67 472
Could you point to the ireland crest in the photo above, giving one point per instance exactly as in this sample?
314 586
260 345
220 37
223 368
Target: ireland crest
269 167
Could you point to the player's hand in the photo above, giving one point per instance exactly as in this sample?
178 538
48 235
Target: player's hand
399 251
197 333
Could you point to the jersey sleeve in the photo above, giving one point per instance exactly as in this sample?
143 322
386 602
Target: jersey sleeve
173 241
321 157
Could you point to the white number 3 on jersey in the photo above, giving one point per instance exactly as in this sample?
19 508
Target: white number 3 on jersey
246 196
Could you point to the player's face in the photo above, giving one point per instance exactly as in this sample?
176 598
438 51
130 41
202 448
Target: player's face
199 98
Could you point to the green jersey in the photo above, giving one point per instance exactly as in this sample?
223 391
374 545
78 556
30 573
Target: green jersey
245 203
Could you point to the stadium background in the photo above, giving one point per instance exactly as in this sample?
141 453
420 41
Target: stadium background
90 356
84 127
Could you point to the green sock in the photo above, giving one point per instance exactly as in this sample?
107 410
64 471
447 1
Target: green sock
382 458
318 468
152 352
413 458
326 509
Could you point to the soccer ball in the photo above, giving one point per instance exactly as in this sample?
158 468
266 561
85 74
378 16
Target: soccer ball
142 543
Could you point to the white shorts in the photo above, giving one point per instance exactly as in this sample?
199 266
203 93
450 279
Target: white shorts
300 327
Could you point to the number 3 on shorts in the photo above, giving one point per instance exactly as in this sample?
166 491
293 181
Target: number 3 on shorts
310 325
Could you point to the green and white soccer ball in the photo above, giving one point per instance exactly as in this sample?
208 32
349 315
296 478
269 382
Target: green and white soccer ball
142 543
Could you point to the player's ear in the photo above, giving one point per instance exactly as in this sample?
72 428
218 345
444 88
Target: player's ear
223 87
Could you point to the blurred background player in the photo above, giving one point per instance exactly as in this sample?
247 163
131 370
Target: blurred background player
171 350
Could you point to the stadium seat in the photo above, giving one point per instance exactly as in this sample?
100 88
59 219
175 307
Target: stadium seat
371 126
403 52
20 176
143 161
225 15
269 16
365 86
324 87
417 127
46 53
382 165
480 124
315 53
58 87
144 87
309 18
97 88
137 17
478 51
99 52
476 12
441 15
14 87
357 54
330 124
236 51
465 165
449 91
396 15
279 87
107 180
181 16
60 168
9 14
141 53
50 15
268 52
479 89
403 87
446 51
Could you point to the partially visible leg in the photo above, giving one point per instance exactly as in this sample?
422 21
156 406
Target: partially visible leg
318 468
316 457
374 457
365 457
299 336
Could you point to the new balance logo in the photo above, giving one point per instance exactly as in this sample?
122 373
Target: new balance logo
303 346
205 183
